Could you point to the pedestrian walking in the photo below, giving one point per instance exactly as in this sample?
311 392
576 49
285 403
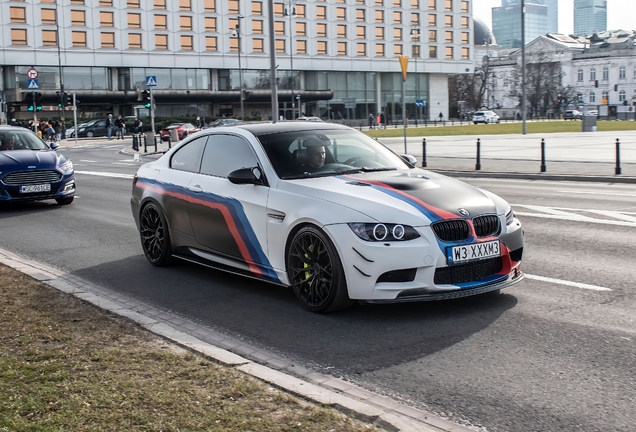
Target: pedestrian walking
138 126
441 116
371 121
58 130
120 127
382 120
109 126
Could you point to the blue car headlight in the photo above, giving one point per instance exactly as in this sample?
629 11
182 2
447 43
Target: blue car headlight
382 232
67 167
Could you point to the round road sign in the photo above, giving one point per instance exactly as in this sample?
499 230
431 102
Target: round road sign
32 73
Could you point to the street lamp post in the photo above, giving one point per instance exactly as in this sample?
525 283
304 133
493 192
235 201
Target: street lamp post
237 34
415 52
59 64
290 11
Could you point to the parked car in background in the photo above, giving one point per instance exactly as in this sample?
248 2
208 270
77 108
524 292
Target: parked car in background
95 128
485 117
226 121
310 119
32 170
592 112
183 130
70 132
572 115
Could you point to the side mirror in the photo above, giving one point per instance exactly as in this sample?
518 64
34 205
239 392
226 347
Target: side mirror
410 160
54 146
246 176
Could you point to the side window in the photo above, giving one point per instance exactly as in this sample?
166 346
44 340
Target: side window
188 157
226 153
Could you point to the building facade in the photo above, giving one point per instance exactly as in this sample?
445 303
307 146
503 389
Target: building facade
506 22
589 16
334 58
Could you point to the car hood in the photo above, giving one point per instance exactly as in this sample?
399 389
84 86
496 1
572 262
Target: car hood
415 197
23 159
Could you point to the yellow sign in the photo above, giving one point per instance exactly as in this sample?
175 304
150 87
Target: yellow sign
404 62
604 101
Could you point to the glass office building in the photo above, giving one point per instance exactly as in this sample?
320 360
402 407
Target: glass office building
589 16
506 23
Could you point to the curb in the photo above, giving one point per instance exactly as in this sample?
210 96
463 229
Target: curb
325 390
531 176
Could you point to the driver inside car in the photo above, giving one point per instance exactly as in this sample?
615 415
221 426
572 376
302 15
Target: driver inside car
8 142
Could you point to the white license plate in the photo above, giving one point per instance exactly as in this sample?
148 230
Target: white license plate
471 252
35 188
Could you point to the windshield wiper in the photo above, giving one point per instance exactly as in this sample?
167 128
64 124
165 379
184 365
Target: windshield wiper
365 169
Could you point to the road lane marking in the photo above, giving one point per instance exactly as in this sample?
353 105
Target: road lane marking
85 160
596 193
106 174
626 219
567 283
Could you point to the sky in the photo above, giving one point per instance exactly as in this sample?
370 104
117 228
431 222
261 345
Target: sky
621 14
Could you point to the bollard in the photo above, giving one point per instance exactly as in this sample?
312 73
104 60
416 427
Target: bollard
135 145
154 138
543 167
478 164
618 157
145 144
423 152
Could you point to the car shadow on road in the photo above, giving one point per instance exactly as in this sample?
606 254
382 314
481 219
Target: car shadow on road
359 339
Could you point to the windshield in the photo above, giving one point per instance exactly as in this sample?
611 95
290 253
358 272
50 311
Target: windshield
20 140
305 154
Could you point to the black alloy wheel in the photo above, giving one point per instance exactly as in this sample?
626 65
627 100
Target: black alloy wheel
155 240
315 272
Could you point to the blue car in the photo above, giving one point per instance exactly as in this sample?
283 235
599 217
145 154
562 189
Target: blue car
32 170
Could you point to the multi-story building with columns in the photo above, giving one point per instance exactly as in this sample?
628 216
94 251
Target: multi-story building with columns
332 56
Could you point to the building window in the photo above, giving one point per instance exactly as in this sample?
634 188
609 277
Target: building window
449 52
432 4
187 43
379 16
280 45
449 37
134 20
321 30
341 14
78 18
18 15
233 23
279 10
105 2
360 17
133 4
605 96
107 40
48 16
432 52
106 19
361 49
160 4
622 96
379 3
634 73
301 29
210 43
579 75
301 47
257 27
592 97
415 51
184 5
186 23
397 50
234 44
342 48
49 38
379 33
300 11
279 28
341 31
448 5
605 73
77 2
432 20
161 42
257 9
465 38
161 22
397 34
465 53
257 45
79 38
379 50
397 3
464 22
432 35
592 74
18 37
397 17
464 6
448 21
415 4
210 6
415 19
361 32
134 40
622 72
321 12
322 48
233 7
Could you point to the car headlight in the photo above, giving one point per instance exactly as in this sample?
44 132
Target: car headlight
82 129
510 216
384 232
67 167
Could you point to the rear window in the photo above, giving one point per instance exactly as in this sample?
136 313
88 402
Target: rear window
479 113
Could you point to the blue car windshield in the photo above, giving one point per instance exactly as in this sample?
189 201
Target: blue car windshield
20 140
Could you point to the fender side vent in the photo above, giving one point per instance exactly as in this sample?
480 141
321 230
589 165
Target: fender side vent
405 275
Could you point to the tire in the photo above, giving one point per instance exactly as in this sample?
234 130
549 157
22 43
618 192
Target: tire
65 200
154 235
315 272
90 134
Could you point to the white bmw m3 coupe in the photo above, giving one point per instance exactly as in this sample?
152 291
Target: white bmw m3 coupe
327 211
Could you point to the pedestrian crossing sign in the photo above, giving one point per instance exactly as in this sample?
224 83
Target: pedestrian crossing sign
151 81
33 84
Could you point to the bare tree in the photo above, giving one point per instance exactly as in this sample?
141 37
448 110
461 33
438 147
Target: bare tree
471 88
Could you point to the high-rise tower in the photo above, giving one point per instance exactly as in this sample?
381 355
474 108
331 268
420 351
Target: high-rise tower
589 15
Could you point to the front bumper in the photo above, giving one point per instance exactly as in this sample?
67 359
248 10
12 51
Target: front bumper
64 187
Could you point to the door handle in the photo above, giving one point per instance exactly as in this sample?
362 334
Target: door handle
196 188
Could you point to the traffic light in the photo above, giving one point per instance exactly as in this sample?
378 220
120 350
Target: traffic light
615 87
68 99
596 83
145 98
38 101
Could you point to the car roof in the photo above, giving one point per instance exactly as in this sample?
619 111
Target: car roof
264 128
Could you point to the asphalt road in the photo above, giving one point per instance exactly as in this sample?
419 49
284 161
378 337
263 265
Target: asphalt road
555 352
